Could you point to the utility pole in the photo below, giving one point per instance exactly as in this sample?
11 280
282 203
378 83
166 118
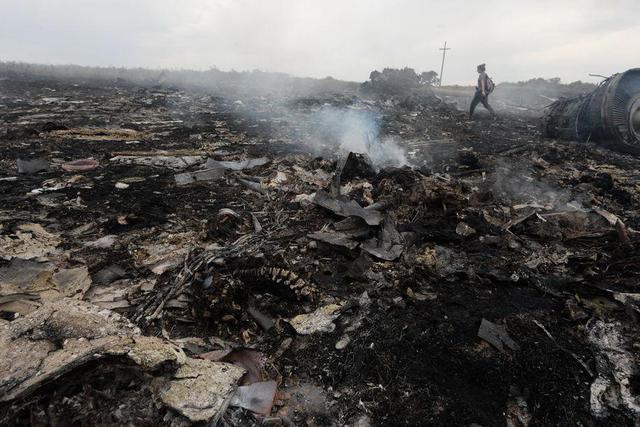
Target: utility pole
444 53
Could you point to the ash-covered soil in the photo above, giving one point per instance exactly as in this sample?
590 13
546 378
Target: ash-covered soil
490 279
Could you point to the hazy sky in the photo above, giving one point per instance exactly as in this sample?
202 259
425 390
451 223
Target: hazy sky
518 39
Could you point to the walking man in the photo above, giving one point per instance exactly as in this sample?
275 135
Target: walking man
484 88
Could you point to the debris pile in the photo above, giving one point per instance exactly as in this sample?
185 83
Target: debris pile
175 257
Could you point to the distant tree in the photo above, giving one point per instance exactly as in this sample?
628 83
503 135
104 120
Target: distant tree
398 80
429 78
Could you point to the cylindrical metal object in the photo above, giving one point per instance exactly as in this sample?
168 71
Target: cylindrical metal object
635 118
611 113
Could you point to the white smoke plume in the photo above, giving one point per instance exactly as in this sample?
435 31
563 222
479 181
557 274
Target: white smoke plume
341 130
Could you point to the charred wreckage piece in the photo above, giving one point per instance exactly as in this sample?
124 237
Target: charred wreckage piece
609 114
279 276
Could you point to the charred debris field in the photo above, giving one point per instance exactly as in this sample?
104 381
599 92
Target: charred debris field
178 257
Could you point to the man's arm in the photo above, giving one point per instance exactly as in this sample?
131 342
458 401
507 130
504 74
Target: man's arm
483 84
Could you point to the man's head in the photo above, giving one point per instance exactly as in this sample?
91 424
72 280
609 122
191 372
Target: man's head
482 68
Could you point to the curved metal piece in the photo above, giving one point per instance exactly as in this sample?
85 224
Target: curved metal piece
610 113
634 119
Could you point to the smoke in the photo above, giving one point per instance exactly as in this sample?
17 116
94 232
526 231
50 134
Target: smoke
342 130
332 130
520 185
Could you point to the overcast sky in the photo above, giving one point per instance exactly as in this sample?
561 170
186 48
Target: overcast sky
346 39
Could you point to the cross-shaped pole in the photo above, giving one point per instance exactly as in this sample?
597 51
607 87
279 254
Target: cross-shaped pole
444 52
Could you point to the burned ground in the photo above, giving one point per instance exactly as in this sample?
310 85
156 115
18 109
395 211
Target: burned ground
495 224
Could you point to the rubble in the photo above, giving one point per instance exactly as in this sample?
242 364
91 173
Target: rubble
198 389
236 165
201 390
320 320
201 175
81 165
388 246
187 258
346 208
496 335
96 134
171 162
103 242
32 166
611 390
29 241
257 397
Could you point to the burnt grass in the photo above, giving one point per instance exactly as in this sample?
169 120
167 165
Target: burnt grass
410 362
420 369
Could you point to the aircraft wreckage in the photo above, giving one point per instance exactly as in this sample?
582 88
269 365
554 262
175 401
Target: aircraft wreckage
610 114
